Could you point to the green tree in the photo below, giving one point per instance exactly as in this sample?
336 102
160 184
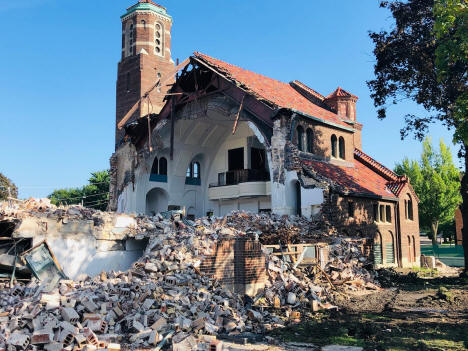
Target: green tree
436 180
423 58
6 184
93 195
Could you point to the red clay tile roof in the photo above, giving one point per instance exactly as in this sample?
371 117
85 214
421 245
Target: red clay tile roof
340 92
359 179
275 92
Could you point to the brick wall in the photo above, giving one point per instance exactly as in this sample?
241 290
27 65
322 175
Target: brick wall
409 231
239 264
139 72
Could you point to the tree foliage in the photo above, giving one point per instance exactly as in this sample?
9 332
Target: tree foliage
406 67
436 181
6 183
423 58
94 195
451 31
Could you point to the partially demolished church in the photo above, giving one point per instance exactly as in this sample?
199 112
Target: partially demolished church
207 137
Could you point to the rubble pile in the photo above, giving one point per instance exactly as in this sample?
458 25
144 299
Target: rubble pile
164 298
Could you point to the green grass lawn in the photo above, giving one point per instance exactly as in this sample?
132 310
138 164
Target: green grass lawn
450 255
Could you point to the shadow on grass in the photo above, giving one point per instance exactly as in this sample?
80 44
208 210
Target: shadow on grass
414 281
388 331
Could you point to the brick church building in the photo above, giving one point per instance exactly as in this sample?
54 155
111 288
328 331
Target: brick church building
214 138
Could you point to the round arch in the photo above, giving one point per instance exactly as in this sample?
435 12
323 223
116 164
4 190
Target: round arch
157 200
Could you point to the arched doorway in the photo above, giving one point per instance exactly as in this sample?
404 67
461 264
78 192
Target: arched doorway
390 249
378 255
157 201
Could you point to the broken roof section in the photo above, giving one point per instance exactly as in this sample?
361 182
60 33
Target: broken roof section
367 177
275 92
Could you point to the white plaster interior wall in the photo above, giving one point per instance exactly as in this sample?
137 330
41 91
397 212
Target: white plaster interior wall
86 258
206 140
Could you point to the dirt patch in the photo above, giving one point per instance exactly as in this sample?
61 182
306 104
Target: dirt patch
413 314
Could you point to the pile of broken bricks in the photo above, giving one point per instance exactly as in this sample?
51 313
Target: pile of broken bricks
164 300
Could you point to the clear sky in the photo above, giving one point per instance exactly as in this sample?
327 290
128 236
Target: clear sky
59 66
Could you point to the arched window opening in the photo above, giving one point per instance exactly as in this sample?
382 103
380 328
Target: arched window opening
300 138
159 39
378 255
310 140
410 259
163 166
410 208
342 148
334 142
193 174
159 170
390 249
414 249
196 170
143 22
155 168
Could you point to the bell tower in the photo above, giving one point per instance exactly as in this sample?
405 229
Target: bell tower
146 57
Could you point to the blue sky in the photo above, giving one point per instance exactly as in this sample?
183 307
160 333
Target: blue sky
59 67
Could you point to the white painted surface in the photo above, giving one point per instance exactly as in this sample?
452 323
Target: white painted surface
78 254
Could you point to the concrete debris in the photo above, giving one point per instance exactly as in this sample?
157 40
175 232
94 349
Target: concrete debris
165 299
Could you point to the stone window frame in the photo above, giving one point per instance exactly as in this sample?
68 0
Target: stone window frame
300 137
159 38
382 213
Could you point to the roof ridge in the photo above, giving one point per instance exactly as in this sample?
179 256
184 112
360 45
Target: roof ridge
309 89
201 55
377 166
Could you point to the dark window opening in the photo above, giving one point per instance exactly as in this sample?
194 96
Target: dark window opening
163 166
342 148
300 138
155 168
298 198
334 142
236 159
310 140
351 209
382 213
376 212
193 176
159 170
257 158
388 213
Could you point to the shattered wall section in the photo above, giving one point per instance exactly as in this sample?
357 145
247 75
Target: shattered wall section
122 172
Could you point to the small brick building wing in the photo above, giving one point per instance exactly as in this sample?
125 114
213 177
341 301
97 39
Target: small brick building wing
219 138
